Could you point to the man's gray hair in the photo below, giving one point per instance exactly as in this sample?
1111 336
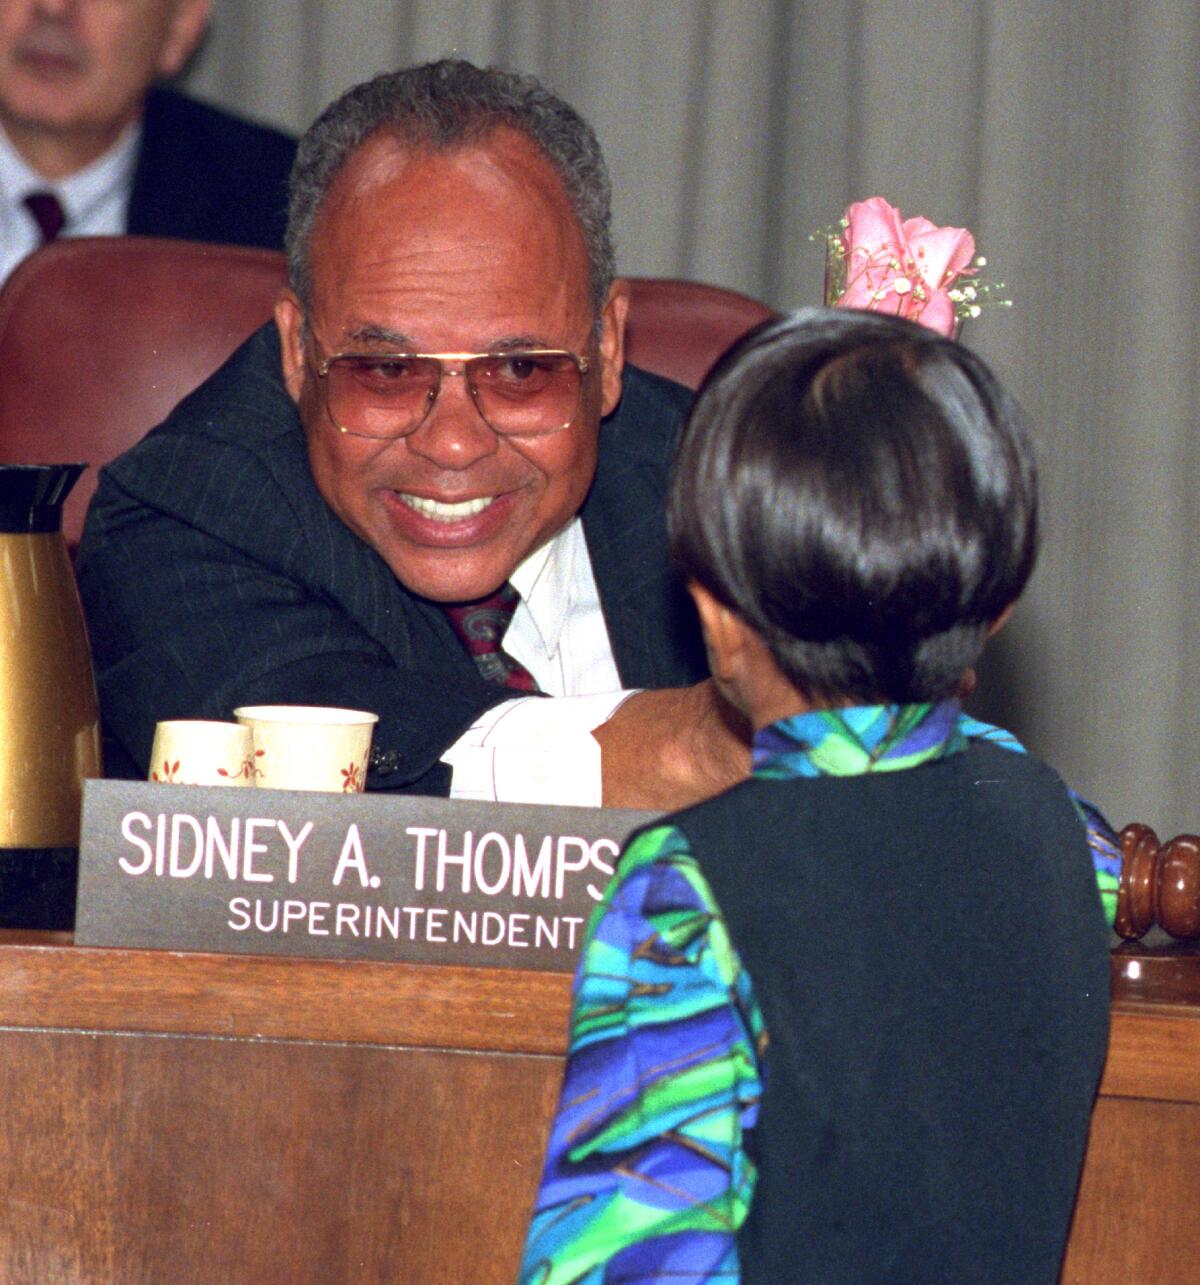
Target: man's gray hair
443 105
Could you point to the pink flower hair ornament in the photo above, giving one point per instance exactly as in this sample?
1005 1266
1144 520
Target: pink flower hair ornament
911 268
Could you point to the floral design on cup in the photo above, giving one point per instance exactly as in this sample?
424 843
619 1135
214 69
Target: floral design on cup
248 771
309 747
206 752
170 774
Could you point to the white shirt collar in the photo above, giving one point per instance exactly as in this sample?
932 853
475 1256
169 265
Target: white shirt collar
546 581
81 192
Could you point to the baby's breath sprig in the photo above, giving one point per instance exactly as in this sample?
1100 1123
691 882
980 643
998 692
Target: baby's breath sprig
835 258
973 296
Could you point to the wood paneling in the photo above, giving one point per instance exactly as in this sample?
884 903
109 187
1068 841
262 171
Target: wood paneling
202 1118
256 996
133 1159
1135 1213
1135 1217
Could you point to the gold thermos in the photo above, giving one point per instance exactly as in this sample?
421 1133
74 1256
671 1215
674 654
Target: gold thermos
49 716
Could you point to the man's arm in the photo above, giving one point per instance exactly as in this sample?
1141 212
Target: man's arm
663 754
662 750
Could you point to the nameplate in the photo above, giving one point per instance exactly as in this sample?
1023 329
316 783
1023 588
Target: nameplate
361 876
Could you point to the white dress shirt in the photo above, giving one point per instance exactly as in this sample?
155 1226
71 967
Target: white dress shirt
95 199
533 750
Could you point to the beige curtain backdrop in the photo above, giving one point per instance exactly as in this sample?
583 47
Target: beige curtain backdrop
1064 133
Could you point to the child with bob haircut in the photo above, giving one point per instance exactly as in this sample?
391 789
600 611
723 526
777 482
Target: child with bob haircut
845 1021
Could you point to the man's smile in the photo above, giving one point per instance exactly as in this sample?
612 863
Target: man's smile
424 522
442 511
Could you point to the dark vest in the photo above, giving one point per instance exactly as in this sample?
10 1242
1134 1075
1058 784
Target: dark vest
929 954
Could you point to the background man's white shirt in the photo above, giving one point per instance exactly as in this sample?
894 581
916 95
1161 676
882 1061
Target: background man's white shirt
95 199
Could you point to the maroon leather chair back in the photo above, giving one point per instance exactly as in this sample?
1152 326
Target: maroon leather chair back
680 328
100 337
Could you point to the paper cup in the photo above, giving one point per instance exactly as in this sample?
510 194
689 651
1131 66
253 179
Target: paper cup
193 751
309 747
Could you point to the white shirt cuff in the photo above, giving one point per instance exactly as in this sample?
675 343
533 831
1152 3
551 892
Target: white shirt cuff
534 749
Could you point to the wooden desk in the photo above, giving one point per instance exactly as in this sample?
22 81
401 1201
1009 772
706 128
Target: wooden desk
222 1119
1136 1211
211 1118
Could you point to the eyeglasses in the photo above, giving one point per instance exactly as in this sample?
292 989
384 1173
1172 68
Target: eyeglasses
528 392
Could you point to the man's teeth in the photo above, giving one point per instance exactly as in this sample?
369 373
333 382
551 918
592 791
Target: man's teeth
442 512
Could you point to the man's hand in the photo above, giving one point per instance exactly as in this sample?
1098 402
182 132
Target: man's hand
665 749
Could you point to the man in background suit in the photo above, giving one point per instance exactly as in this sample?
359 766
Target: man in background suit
90 146
324 519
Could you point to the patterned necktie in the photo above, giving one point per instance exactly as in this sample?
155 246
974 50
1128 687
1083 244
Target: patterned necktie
45 208
481 626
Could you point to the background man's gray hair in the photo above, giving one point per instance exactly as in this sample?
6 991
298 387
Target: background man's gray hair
443 105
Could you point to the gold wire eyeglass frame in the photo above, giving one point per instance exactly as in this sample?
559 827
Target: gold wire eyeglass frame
324 364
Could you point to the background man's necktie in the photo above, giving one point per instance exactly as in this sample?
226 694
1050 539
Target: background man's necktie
46 209
481 626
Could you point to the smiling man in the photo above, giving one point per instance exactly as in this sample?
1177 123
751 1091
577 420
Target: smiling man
102 149
472 250
437 447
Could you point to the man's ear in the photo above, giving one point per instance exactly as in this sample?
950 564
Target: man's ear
612 344
725 633
184 30
289 321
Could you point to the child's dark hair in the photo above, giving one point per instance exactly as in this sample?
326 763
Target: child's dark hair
862 493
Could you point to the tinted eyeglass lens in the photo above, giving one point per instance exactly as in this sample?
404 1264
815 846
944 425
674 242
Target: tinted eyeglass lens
519 393
525 392
383 398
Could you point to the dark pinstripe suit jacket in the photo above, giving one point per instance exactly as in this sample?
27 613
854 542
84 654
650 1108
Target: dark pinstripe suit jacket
213 574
